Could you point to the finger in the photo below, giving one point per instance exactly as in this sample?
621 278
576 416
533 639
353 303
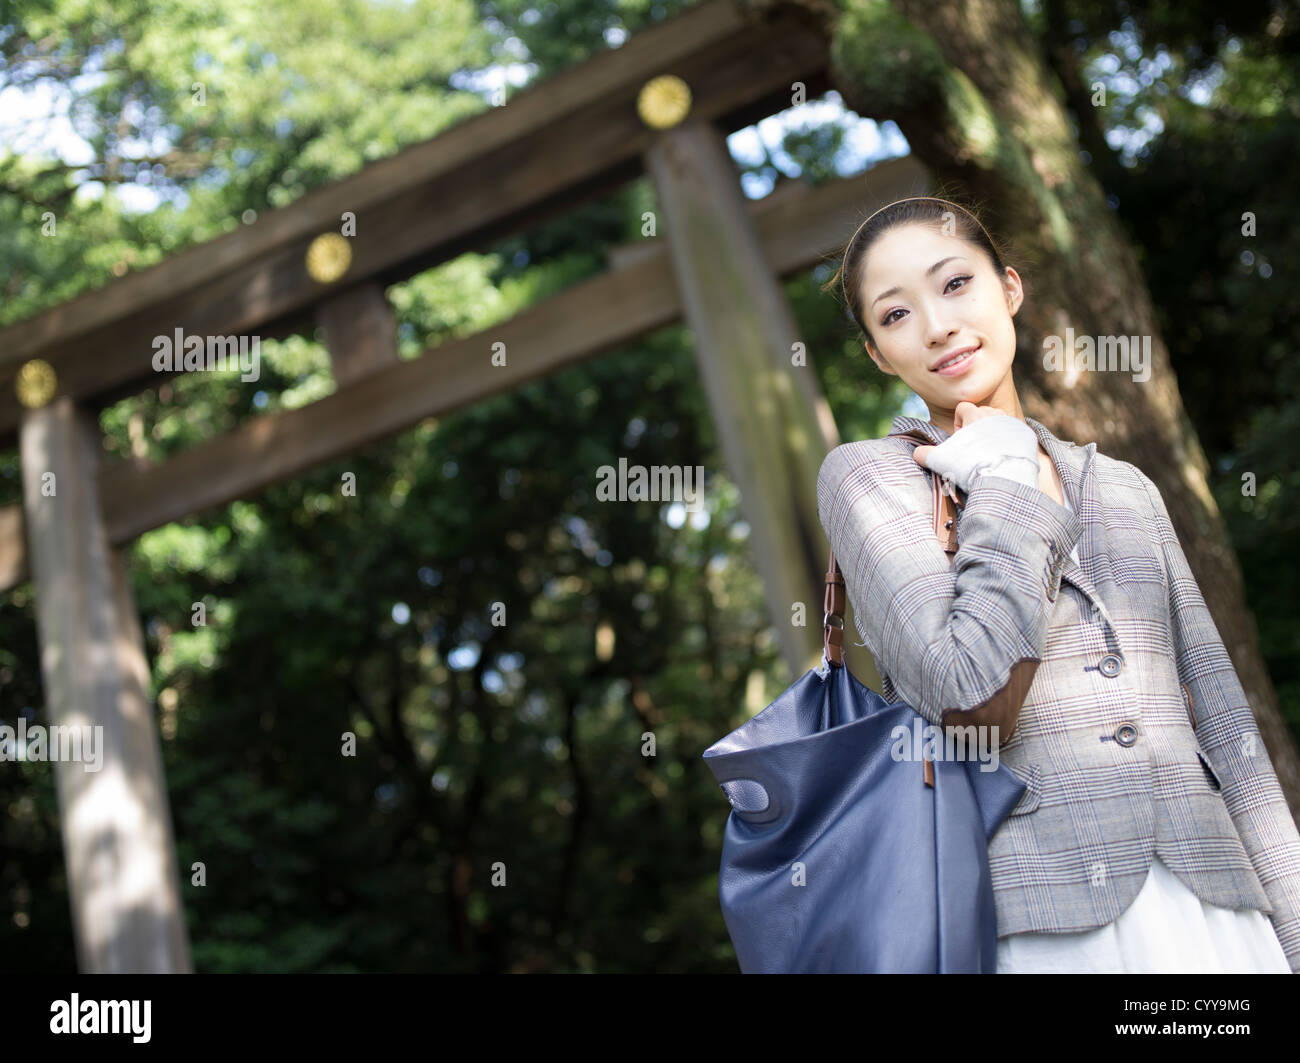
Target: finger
919 454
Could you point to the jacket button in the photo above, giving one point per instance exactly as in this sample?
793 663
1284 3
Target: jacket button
1110 665
1126 734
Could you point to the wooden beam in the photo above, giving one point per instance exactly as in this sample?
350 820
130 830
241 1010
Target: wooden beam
573 136
797 229
567 328
117 836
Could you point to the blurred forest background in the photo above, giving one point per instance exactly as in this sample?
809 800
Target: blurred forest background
372 614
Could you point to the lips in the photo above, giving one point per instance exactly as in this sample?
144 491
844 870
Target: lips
962 363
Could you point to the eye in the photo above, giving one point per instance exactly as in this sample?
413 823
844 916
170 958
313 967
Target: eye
889 318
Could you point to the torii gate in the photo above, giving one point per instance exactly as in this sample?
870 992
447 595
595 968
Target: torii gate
662 103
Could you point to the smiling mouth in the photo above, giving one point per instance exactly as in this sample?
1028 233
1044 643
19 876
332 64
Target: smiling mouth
958 363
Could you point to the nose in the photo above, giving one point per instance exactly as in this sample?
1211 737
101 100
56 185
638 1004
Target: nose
938 325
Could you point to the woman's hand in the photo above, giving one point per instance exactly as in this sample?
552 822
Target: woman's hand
985 441
965 413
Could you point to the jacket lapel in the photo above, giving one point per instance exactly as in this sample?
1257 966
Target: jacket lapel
1077 469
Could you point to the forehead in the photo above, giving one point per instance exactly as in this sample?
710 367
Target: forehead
905 253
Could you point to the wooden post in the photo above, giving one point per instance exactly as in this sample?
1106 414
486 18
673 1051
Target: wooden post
117 834
360 332
13 550
774 425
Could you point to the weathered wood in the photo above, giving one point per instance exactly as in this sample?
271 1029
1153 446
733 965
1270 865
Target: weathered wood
360 332
569 138
117 837
774 426
13 550
796 230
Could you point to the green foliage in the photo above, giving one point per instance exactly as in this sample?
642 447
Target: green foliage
253 111
888 58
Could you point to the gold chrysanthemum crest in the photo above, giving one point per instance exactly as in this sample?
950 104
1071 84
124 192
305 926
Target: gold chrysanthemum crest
664 101
328 258
36 383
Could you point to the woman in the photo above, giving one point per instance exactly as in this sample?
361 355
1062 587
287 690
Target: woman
1153 835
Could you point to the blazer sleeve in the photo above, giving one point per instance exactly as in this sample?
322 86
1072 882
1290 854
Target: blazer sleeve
1227 732
947 635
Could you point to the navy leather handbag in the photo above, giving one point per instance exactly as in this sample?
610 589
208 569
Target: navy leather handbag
839 858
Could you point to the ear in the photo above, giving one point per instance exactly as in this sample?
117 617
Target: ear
1015 291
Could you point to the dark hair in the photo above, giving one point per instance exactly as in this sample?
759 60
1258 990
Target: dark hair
925 209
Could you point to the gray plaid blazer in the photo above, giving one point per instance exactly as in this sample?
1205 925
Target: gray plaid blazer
1135 737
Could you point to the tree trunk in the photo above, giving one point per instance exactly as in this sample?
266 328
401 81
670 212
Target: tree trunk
967 85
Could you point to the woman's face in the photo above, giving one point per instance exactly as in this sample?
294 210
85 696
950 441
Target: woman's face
927 296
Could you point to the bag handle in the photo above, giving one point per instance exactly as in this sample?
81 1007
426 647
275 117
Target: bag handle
946 503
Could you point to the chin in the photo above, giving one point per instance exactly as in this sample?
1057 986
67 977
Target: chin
978 388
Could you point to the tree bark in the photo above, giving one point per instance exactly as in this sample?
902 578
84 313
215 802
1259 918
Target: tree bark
967 85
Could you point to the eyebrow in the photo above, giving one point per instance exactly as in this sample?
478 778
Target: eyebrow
928 272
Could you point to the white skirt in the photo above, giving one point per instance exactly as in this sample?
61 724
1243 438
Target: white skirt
1166 930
